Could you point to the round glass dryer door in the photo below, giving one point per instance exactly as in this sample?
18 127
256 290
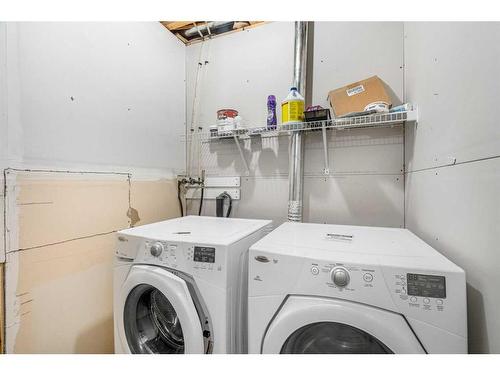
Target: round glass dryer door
310 324
151 322
332 338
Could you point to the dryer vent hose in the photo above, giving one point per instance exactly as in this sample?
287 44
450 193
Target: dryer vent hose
219 204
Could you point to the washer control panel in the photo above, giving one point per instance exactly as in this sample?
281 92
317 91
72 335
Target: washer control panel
198 257
204 258
161 252
204 254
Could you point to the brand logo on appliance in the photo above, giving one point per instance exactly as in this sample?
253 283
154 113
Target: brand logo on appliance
339 237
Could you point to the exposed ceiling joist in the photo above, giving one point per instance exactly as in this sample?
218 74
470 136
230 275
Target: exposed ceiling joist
194 31
177 25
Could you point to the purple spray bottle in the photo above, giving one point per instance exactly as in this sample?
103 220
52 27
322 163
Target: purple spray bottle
271 112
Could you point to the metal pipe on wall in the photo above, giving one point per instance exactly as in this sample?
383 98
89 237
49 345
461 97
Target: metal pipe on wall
296 158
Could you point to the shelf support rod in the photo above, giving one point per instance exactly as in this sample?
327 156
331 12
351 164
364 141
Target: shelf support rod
326 170
242 156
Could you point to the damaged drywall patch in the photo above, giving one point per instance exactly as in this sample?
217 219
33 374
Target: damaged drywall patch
12 301
64 291
11 269
81 206
2 265
2 218
133 215
43 277
2 306
155 200
70 210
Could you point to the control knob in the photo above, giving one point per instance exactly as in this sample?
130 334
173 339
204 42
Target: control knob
156 249
340 276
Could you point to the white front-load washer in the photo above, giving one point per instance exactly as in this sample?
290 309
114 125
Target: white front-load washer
316 288
180 285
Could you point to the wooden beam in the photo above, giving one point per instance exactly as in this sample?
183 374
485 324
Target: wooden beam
255 24
176 25
183 40
240 24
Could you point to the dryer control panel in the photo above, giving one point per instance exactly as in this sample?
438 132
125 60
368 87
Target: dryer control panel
346 277
420 291
413 290
428 295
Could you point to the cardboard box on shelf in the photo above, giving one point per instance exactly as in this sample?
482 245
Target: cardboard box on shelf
355 97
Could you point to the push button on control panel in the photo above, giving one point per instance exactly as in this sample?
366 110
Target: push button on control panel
368 277
315 270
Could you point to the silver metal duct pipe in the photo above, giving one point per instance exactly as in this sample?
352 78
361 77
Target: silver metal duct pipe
296 158
206 28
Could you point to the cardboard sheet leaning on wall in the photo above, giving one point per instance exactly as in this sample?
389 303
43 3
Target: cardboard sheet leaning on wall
2 312
60 245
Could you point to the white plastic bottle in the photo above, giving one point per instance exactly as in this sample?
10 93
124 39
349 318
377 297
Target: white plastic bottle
292 108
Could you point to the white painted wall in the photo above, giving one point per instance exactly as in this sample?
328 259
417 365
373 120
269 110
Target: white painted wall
240 70
345 52
3 97
452 74
95 95
3 131
105 97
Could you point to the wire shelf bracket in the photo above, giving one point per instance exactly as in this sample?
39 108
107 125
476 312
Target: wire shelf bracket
242 156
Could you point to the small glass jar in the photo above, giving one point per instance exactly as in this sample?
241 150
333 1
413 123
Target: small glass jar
213 131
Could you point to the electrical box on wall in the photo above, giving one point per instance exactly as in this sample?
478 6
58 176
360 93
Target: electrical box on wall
216 181
212 193
216 185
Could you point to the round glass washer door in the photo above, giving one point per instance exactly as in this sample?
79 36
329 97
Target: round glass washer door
158 314
151 323
332 338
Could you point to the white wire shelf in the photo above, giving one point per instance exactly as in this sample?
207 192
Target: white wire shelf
358 122
377 120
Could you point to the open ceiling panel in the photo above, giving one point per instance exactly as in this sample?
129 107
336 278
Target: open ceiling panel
194 31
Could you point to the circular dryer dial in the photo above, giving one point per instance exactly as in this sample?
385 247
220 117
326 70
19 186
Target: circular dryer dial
340 276
156 249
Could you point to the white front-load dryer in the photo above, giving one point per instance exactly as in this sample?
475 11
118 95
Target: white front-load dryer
316 288
180 285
